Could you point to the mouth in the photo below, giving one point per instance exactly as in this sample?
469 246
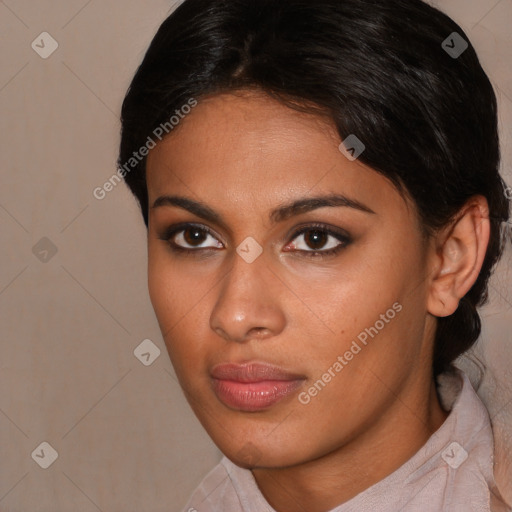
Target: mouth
252 387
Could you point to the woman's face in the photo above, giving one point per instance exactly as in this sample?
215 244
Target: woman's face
293 330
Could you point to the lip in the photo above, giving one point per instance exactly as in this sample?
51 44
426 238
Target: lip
253 386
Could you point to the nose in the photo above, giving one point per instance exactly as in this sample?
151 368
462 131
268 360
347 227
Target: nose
248 303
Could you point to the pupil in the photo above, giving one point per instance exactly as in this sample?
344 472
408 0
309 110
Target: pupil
198 236
316 239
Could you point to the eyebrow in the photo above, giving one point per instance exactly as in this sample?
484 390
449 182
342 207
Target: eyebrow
279 214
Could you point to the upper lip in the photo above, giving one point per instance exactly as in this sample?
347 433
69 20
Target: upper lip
252 372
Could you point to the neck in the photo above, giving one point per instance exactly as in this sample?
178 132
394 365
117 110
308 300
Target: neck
333 479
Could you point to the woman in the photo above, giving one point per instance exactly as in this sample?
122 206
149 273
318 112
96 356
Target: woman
320 185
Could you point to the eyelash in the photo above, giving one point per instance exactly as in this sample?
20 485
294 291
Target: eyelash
174 230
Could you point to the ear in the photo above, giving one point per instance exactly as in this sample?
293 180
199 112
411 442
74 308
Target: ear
458 254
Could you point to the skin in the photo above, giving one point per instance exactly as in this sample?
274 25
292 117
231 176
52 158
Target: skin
243 154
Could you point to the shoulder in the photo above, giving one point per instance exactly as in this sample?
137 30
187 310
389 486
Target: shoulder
469 453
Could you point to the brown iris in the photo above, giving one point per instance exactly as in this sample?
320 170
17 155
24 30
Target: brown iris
194 236
315 239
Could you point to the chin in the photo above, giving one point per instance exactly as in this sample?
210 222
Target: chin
261 454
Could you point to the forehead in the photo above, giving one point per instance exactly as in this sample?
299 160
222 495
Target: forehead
234 148
245 130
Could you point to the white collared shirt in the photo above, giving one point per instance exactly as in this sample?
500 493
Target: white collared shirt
451 472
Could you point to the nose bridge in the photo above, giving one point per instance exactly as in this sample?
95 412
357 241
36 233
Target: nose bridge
247 304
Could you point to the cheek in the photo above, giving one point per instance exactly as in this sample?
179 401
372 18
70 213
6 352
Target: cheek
179 299
364 287
173 291
168 298
161 290
360 303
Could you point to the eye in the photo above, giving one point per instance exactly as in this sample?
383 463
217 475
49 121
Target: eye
315 240
190 238
319 241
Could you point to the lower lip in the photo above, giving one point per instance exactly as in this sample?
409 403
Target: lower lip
254 396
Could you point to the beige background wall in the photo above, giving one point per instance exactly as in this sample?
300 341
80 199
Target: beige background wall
124 436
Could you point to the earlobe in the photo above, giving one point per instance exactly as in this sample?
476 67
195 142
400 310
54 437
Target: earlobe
458 257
